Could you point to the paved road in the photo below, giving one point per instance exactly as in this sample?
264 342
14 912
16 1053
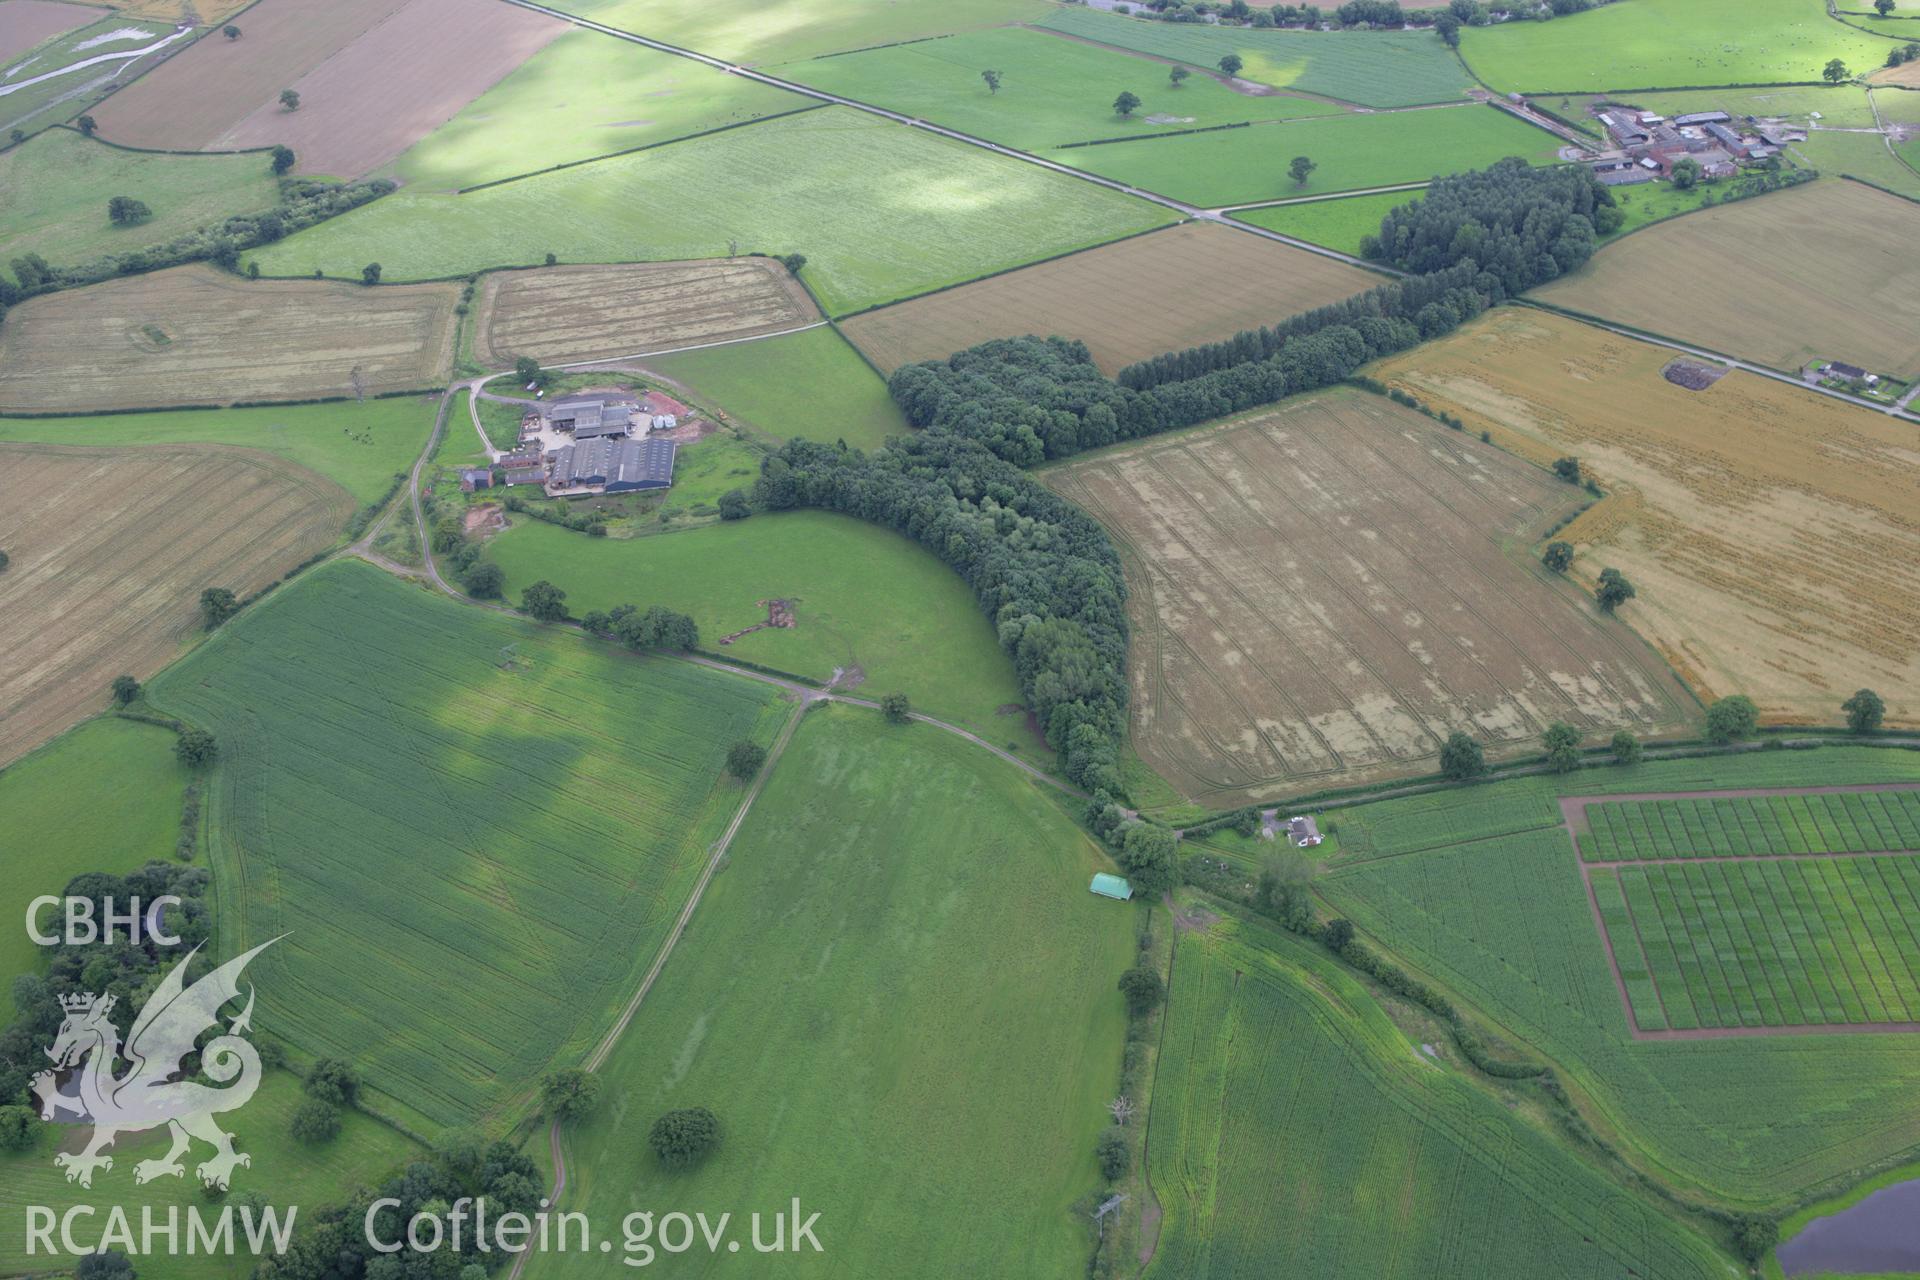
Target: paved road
748 73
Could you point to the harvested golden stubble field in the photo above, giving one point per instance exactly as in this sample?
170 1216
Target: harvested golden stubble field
1773 534
1827 270
194 335
1321 593
593 312
1194 283
110 551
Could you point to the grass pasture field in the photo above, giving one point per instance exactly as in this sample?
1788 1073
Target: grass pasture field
1862 155
207 12
557 314
537 116
193 335
99 588
1395 1165
1374 69
1654 44
1339 223
1170 289
1052 91
862 597
1321 593
1353 151
473 830
134 789
1850 291
63 76
881 212
899 963
26 23
59 182
1770 532
810 384
789 29
1481 893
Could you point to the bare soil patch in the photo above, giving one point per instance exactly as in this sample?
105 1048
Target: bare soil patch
484 520
1321 593
1194 283
779 614
111 549
25 23
1692 374
1772 533
573 313
194 335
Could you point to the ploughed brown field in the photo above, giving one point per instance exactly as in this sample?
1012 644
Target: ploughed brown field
1198 282
25 23
1828 270
110 551
1772 533
594 312
374 77
1321 593
194 335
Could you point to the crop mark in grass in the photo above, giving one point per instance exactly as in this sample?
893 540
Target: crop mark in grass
1773 940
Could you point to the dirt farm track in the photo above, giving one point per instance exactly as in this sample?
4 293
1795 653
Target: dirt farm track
110 550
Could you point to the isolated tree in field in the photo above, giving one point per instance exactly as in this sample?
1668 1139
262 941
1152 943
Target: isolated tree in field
315 1122
1835 72
1558 556
1143 989
896 708
1147 855
569 1094
333 1081
1125 104
370 274
1865 710
283 158
1567 469
1613 590
1175 76
734 504
230 31
1884 7
680 1138
1562 742
1300 168
483 581
125 690
87 126
289 99
1231 64
1686 174
993 81
1732 718
125 211
1337 935
744 759
217 604
1111 1151
1461 757
793 262
544 601
1626 748
195 748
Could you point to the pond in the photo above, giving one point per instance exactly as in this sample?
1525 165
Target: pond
1879 1234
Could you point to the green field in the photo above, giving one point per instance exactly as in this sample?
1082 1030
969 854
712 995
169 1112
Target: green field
287 1172
1861 155
361 447
789 29
59 182
1732 826
707 469
1297 1131
133 788
34 107
1480 891
1336 224
473 829
1053 91
880 211
862 596
810 385
1236 166
899 998
1840 106
1372 68
540 116
1654 44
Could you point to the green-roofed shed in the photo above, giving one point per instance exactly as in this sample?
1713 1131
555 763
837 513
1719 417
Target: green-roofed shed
1112 887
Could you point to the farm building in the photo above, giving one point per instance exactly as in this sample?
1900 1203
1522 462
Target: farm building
1304 832
1111 887
1724 136
608 465
1703 117
524 467
589 417
472 478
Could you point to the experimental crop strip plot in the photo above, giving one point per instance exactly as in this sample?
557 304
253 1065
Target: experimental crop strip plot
1734 912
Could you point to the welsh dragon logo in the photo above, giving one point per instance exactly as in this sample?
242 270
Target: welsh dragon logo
150 1093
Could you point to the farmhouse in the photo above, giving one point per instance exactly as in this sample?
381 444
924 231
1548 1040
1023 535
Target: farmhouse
608 465
1304 832
472 478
